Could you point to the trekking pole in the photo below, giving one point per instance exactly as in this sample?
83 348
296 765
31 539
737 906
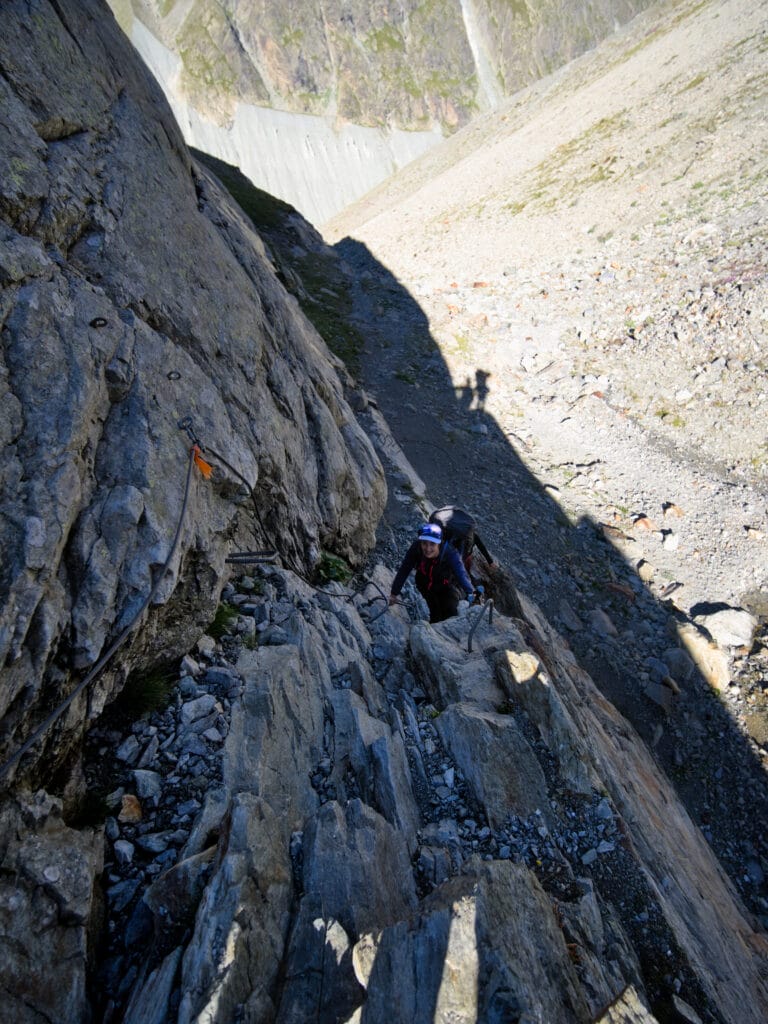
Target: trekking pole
489 606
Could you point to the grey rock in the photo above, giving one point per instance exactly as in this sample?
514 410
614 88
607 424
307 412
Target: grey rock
154 842
498 764
148 783
120 895
192 710
99 346
129 750
188 687
729 627
679 664
190 667
149 1004
351 854
149 753
124 852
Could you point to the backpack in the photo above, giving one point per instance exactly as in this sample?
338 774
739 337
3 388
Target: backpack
458 528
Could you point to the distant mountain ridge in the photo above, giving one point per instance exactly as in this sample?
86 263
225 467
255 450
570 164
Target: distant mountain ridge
320 103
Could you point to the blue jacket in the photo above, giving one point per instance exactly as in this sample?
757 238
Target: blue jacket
449 558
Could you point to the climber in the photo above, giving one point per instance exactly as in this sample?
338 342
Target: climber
459 530
436 565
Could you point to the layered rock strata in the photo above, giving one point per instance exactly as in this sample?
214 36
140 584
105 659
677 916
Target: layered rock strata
137 296
316 842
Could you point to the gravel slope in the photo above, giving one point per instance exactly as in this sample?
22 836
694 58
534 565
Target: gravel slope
566 312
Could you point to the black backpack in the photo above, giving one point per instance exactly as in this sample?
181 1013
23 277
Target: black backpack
458 528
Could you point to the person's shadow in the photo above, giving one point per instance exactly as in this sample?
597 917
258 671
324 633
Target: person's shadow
481 388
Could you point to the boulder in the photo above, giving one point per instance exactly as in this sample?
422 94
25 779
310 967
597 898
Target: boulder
48 899
498 764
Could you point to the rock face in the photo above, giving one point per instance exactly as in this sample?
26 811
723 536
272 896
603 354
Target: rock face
275 877
135 295
341 813
321 102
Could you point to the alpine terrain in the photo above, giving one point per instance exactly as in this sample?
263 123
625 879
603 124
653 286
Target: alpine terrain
239 782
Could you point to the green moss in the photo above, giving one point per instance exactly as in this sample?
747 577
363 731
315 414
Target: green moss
332 568
223 621
694 83
145 692
387 37
291 37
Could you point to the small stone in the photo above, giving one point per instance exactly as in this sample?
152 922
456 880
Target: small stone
679 664
659 694
568 617
154 842
708 658
589 857
148 784
644 523
187 687
686 1012
645 571
601 623
130 811
603 810
206 645
189 667
124 852
198 708
729 627
51 874
129 750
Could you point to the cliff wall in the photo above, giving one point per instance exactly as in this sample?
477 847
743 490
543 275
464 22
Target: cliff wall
337 812
135 296
321 102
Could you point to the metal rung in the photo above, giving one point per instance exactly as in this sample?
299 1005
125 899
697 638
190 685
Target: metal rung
476 623
247 557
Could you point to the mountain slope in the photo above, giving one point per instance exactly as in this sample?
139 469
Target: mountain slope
615 216
320 102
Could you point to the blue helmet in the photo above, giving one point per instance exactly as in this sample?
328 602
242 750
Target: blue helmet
431 532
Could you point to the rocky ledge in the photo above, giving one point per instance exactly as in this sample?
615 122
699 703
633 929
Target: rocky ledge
339 803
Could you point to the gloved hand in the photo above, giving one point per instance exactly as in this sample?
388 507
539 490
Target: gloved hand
471 597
